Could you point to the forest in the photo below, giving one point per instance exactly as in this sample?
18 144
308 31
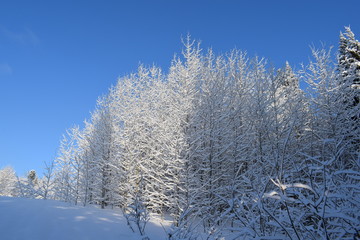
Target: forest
221 143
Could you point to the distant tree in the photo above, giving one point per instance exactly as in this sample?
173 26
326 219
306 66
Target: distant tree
29 186
8 182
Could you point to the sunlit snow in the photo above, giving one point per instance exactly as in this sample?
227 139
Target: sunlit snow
35 219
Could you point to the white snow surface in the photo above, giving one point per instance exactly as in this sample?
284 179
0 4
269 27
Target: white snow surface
37 219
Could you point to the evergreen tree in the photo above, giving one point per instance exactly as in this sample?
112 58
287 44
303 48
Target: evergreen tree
349 84
349 59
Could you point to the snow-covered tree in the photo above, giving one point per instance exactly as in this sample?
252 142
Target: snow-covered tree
29 186
8 182
65 174
46 182
349 85
349 59
103 161
225 143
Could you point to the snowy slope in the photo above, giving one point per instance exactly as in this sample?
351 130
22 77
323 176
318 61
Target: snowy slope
35 219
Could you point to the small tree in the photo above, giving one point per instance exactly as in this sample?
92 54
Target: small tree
46 183
136 212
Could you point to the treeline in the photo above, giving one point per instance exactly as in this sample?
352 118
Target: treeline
224 144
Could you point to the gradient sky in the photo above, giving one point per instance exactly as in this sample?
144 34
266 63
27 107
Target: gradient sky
57 57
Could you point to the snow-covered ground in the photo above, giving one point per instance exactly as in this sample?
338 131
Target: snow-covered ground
35 219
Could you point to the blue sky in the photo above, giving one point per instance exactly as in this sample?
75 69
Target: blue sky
57 57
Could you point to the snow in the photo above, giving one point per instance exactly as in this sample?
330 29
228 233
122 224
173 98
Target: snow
37 219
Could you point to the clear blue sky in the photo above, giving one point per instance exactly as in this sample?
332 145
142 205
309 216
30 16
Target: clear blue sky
57 57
